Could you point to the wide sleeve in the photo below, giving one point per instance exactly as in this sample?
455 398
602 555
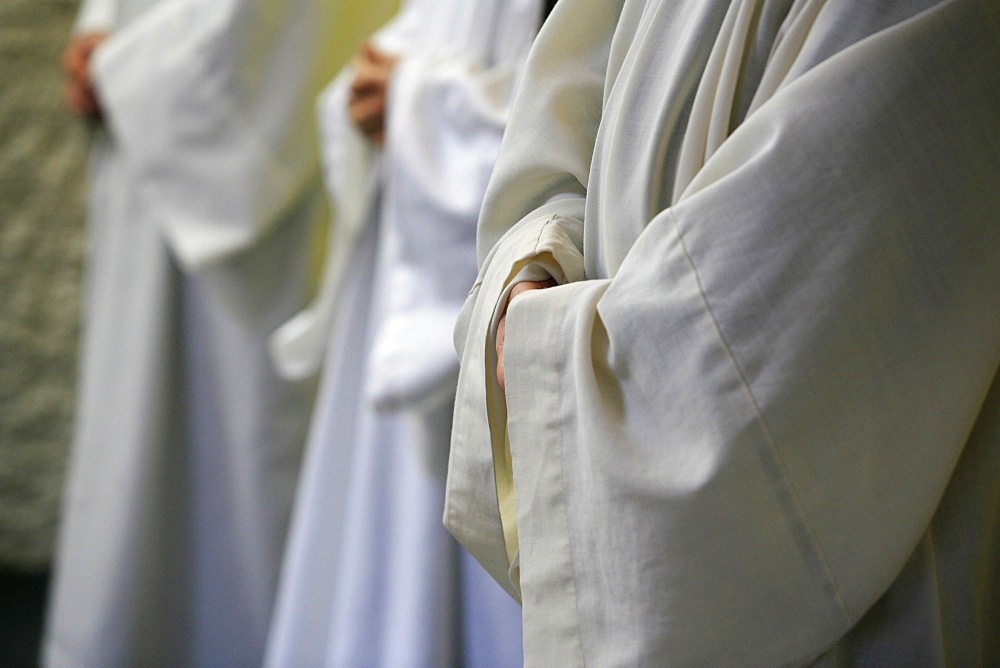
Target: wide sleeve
446 113
210 103
544 190
702 445
350 166
445 120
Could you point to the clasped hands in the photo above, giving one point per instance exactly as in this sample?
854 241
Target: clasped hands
519 289
367 106
79 93
369 89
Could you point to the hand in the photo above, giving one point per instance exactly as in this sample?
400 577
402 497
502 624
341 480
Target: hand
518 289
79 91
368 91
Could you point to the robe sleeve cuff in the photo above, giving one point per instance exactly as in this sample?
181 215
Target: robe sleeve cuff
479 506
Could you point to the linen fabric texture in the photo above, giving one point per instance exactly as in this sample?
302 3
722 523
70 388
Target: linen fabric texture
759 420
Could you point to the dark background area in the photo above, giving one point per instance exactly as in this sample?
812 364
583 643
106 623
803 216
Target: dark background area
43 154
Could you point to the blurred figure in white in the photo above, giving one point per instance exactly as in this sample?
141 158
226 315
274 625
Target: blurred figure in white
411 133
205 191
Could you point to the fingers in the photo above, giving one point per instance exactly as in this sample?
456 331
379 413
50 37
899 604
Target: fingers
367 101
367 83
372 54
369 91
79 93
525 286
80 99
366 104
74 61
77 54
368 114
501 338
369 76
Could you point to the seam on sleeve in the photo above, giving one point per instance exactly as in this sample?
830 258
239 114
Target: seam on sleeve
779 465
541 230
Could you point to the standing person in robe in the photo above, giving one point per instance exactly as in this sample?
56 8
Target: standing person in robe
205 192
757 420
411 133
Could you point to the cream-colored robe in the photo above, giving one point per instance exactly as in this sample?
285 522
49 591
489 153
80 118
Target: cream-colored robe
205 194
759 421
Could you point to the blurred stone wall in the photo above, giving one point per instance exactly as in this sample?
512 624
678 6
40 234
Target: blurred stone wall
42 163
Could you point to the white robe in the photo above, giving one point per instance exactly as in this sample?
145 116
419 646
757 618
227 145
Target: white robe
205 192
370 576
759 421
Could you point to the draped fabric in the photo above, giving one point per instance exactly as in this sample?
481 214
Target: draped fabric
758 421
205 192
370 577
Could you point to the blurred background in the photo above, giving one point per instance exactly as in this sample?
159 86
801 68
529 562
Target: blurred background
43 153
